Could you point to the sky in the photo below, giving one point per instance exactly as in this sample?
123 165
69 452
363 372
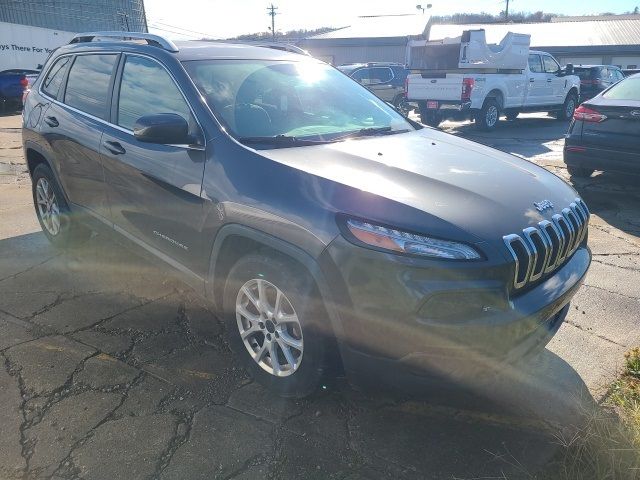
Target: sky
224 19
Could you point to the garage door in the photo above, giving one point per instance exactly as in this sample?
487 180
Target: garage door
626 62
581 60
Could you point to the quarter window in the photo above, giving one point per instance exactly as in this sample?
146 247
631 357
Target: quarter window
53 80
535 65
88 84
147 89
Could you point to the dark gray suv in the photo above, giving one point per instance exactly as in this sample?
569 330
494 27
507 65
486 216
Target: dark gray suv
325 227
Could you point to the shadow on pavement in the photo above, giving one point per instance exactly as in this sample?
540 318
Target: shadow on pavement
614 197
118 304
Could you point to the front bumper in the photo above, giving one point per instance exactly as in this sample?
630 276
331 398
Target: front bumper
388 322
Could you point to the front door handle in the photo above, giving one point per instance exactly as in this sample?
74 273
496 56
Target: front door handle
114 147
532 80
549 80
51 121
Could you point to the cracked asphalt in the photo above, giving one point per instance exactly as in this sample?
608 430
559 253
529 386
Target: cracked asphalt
114 370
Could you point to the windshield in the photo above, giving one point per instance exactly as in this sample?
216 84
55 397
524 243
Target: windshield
628 89
305 100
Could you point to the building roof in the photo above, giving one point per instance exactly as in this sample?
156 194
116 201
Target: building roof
596 18
597 33
381 26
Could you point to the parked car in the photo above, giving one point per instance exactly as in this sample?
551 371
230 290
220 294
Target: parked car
605 132
320 223
596 78
386 80
13 83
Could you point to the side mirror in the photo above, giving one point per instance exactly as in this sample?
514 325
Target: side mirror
164 128
569 69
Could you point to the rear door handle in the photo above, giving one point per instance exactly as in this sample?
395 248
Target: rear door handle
532 79
51 121
114 147
548 80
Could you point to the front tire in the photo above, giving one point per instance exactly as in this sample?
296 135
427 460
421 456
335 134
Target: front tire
488 116
57 221
569 106
579 172
276 324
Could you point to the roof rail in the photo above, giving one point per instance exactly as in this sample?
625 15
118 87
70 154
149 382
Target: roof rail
150 38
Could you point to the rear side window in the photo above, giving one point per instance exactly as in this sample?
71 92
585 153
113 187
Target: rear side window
88 84
381 75
52 82
535 64
146 89
627 89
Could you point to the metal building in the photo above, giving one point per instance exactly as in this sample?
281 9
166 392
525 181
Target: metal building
609 40
76 15
368 39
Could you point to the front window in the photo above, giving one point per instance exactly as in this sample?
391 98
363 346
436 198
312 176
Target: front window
295 100
147 89
550 65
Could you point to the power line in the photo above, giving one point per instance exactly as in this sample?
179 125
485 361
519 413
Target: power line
157 22
271 11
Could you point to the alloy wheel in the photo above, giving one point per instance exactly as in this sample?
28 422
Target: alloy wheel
492 116
269 327
48 208
571 106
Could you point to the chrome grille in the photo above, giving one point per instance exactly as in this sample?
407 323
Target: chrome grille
540 250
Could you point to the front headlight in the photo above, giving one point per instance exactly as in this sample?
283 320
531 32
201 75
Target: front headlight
409 243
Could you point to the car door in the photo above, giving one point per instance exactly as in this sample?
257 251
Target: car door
154 189
73 123
554 79
539 90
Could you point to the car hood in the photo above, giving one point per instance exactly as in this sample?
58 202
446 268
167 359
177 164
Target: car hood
485 192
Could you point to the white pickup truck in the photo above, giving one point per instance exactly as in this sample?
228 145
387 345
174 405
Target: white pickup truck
466 78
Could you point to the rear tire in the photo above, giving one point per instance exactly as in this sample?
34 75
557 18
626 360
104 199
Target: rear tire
488 116
569 106
579 172
511 115
58 223
250 310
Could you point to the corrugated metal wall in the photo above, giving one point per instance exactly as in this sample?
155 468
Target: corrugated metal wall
339 55
76 15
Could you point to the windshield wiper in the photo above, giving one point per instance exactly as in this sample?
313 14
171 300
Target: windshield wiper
369 132
281 140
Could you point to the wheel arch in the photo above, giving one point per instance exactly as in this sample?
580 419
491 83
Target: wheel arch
234 241
498 95
35 155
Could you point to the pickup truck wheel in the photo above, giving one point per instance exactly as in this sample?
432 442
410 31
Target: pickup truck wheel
57 221
274 318
579 172
487 117
569 106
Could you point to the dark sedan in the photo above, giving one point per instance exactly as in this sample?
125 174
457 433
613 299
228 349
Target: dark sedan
605 132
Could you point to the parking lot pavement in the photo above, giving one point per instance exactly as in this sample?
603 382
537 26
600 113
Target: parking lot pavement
112 369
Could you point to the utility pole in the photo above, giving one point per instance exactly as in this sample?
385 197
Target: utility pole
506 12
272 12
